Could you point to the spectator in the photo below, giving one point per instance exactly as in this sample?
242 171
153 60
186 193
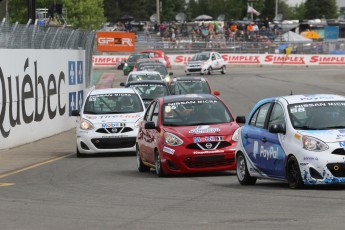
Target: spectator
266 23
162 29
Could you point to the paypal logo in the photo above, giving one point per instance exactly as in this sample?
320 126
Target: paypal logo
267 153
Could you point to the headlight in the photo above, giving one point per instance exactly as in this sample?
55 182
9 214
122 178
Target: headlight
313 144
137 123
126 64
236 134
86 125
172 139
167 78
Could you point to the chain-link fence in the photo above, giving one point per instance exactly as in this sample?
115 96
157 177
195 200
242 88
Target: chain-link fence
19 36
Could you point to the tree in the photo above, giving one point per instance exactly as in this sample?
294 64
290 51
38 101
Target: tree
320 9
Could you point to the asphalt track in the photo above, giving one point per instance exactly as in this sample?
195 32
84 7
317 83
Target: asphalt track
44 186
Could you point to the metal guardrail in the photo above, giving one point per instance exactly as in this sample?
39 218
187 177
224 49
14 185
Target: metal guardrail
29 36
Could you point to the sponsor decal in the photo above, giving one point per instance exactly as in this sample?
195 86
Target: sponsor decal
310 158
303 164
297 136
208 139
342 144
119 136
204 129
168 150
266 153
113 125
208 152
75 77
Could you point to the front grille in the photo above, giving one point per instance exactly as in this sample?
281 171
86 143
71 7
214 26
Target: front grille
208 161
114 130
339 151
337 169
194 70
114 143
222 144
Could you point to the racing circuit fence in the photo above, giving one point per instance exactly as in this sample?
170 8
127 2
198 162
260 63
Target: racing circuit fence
31 36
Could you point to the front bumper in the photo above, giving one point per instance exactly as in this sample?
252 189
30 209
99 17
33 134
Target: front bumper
91 142
178 160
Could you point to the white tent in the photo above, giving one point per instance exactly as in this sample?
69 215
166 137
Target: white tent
293 37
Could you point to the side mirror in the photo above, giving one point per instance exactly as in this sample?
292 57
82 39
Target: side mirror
277 128
241 119
150 125
216 93
75 113
122 84
171 73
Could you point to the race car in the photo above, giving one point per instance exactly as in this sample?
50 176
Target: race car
131 60
179 135
299 139
142 75
206 62
158 55
108 121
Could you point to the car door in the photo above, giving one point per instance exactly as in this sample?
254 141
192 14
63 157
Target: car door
219 61
152 134
143 136
262 147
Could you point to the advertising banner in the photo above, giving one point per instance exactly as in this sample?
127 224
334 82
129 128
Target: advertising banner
115 42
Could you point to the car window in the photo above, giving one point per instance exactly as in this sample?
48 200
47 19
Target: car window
154 117
201 57
259 117
149 111
195 112
139 77
151 91
113 103
277 116
161 69
218 56
191 87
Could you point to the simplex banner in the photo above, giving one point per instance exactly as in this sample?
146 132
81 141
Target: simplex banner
239 59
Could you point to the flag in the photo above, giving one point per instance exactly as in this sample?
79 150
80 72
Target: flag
252 10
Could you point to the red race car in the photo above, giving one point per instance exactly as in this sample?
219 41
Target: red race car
158 54
180 134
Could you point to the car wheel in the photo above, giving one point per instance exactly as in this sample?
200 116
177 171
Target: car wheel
223 70
209 70
293 173
158 164
140 163
79 155
243 175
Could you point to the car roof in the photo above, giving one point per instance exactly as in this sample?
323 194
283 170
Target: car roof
292 99
142 82
188 78
112 90
186 97
145 72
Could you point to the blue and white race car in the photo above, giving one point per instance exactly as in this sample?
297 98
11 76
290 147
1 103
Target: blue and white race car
299 139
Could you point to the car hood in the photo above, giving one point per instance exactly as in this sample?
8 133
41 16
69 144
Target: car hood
332 135
203 130
128 117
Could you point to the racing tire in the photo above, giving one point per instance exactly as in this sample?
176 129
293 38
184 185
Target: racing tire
242 172
223 70
140 164
293 173
158 164
209 70
79 155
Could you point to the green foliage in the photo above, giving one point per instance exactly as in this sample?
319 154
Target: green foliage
320 9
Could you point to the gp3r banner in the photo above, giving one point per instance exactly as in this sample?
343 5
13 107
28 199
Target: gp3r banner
115 42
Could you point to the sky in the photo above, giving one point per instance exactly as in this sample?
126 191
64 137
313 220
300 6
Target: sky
294 2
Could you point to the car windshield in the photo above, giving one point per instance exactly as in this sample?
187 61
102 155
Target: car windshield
318 115
201 57
135 57
143 76
195 112
161 69
190 87
150 91
113 103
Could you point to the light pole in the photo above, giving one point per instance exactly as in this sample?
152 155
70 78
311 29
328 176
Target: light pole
157 11
276 10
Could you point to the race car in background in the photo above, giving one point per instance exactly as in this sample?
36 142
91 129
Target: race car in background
206 62
159 55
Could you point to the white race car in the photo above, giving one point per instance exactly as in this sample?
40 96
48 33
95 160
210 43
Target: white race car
299 139
108 121
206 62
